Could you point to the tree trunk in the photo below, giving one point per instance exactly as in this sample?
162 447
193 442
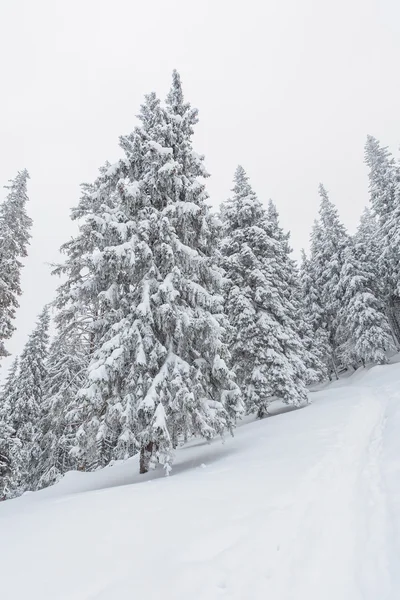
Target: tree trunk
334 367
262 412
174 438
145 456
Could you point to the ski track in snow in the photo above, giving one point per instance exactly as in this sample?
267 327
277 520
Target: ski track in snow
301 506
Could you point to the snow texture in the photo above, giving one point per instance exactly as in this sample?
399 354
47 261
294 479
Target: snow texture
303 505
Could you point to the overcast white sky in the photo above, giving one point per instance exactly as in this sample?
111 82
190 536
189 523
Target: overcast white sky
287 88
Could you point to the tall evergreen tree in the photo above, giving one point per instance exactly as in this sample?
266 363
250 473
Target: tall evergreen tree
363 326
383 178
266 348
76 301
384 187
9 444
79 318
158 371
14 238
8 390
328 245
312 353
26 403
65 375
315 337
367 246
314 301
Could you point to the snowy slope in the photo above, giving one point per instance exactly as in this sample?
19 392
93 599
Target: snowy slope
302 505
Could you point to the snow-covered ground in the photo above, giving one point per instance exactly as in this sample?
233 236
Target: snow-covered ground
304 505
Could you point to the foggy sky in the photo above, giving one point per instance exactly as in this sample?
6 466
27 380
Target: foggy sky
287 88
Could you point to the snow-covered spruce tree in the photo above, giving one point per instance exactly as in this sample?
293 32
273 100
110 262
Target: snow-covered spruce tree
328 244
158 372
314 304
391 259
314 336
312 352
66 373
193 391
26 401
7 393
367 246
76 301
85 313
362 323
14 238
78 304
384 187
383 178
9 444
265 345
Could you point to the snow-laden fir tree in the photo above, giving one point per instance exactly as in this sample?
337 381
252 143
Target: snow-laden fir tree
193 385
384 187
383 178
9 445
363 326
312 352
26 401
368 246
328 244
91 301
65 375
391 260
313 302
76 301
78 305
314 336
14 238
265 345
159 372
314 316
